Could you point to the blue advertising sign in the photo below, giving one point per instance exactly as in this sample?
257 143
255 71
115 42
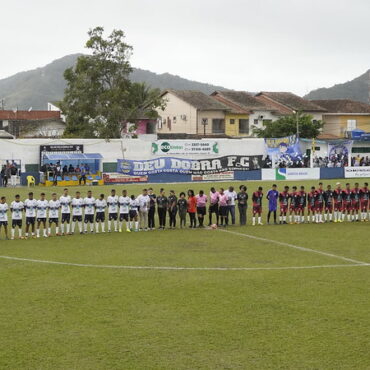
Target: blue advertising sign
188 166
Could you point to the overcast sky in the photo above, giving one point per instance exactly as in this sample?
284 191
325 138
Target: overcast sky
281 45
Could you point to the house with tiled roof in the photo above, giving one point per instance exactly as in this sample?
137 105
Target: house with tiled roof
343 116
286 103
246 113
191 113
32 123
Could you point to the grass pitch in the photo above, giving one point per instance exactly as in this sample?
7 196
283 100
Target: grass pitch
85 317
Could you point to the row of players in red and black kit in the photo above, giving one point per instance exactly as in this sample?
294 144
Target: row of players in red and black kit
323 205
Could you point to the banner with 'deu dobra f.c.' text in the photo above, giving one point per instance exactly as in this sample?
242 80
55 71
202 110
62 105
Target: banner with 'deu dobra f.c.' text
188 166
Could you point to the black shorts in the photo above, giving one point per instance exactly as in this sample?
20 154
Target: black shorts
201 210
213 208
223 210
113 216
16 223
76 218
53 220
133 214
3 223
89 219
123 217
30 220
100 217
66 217
41 219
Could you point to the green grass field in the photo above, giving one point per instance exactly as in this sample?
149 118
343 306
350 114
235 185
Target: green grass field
264 297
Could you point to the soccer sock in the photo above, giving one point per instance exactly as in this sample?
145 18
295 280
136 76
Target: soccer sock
330 217
20 232
120 225
13 232
280 218
68 228
335 216
38 232
103 227
253 220
26 234
73 226
109 225
49 230
45 234
62 228
284 218
80 226
91 226
136 225
325 216
85 227
302 218
56 229
348 217
290 218
115 225
356 216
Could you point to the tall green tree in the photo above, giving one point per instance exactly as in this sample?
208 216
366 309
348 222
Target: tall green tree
99 96
287 125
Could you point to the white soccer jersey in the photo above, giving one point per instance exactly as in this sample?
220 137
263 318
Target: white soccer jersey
124 204
100 205
17 208
77 206
89 205
134 205
31 206
112 204
143 202
42 207
54 206
3 212
65 203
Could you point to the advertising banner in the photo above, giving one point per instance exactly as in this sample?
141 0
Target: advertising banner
340 149
229 175
119 178
352 172
291 174
188 166
187 147
60 149
283 149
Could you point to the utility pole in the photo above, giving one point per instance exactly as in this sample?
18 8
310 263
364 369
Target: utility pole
297 122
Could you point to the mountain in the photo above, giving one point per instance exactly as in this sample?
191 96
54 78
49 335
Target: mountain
357 89
36 87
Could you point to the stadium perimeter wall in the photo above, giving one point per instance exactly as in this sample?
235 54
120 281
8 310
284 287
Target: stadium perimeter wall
28 152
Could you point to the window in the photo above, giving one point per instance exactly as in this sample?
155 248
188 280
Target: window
351 124
255 122
218 126
361 150
1 125
174 119
266 121
232 121
244 126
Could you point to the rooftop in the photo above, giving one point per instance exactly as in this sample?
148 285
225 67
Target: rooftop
24 115
240 100
292 101
343 106
198 99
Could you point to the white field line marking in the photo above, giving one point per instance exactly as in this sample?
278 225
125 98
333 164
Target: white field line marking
175 268
295 247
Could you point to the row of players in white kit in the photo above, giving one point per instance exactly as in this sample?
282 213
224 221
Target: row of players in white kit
39 211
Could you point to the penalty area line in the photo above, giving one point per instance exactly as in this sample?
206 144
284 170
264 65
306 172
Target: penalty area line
177 268
304 249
